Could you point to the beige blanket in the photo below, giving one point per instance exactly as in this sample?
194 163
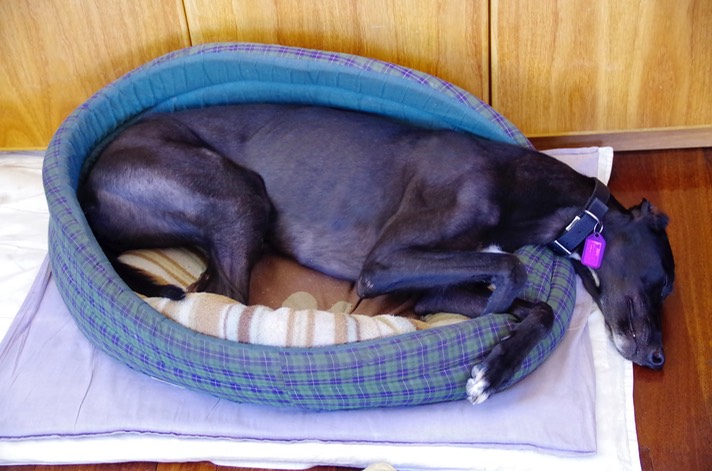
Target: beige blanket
289 305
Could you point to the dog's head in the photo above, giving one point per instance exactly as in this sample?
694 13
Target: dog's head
636 275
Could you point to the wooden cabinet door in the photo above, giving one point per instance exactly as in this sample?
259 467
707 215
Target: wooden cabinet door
57 53
602 65
557 67
446 38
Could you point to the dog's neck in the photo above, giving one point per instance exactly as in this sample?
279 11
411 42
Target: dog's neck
588 221
541 205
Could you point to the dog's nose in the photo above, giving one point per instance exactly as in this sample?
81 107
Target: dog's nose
656 360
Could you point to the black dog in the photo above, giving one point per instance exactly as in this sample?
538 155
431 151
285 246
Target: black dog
390 206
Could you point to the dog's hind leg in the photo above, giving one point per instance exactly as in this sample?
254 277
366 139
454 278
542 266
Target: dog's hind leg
232 251
233 234
157 185
500 364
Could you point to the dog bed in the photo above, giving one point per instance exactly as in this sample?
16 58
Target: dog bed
421 367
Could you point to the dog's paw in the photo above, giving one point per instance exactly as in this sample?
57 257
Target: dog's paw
478 387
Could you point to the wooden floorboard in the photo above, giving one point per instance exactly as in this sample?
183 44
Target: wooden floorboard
673 406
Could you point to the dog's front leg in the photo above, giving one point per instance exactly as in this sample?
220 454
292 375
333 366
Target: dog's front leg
466 300
428 271
449 280
501 363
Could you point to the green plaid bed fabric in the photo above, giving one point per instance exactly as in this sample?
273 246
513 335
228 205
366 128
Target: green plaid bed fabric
423 367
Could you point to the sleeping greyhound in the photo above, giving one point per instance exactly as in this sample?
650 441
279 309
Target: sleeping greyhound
390 206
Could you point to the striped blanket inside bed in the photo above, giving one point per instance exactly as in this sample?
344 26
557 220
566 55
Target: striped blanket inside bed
289 306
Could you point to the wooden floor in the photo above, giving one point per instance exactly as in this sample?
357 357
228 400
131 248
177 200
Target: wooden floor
673 406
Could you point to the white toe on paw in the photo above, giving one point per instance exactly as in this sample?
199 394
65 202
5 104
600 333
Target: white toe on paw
477 386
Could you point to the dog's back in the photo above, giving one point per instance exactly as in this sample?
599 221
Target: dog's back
336 178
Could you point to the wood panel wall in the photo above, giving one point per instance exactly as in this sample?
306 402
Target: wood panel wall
557 67
563 66
446 38
56 53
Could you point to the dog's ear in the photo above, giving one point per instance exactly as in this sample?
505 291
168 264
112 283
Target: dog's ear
645 211
589 279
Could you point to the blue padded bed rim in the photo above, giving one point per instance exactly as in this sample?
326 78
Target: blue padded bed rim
423 367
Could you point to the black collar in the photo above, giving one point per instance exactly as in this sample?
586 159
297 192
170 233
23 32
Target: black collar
585 223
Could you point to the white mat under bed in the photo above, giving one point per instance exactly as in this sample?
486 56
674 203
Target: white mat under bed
63 401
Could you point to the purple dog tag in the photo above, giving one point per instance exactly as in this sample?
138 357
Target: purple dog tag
593 249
